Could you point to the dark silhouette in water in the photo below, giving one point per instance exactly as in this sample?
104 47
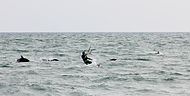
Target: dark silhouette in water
54 60
158 52
113 59
22 59
50 59
143 59
85 58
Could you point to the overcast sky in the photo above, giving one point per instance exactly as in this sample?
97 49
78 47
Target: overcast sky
95 15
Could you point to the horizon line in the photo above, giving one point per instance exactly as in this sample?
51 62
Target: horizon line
92 31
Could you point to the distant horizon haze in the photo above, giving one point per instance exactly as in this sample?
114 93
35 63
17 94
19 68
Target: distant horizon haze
94 16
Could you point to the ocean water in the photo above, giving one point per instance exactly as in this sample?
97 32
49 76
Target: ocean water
138 70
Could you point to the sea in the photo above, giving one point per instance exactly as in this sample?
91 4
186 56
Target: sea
146 64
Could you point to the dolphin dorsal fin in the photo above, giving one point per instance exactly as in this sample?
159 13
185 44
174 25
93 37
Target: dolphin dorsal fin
21 56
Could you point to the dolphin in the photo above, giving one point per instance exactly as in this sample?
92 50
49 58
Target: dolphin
113 59
53 60
50 59
22 59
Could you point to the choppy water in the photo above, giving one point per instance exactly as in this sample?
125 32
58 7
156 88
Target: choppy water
138 71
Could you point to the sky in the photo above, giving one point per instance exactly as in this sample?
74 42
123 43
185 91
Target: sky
94 16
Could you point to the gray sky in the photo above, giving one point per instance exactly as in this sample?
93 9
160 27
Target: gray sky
95 15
